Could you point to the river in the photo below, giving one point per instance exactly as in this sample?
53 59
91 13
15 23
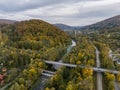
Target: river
41 82
68 50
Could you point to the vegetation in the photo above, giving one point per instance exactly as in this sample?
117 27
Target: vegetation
23 47
71 79
106 40
76 78
83 53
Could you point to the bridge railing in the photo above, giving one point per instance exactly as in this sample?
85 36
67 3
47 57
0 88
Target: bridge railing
81 66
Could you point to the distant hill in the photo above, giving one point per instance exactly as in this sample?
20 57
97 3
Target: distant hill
105 24
67 27
6 21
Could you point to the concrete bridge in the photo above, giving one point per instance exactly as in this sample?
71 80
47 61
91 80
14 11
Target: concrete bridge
97 69
47 73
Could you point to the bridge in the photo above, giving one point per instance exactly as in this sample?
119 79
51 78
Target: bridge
114 57
97 69
47 73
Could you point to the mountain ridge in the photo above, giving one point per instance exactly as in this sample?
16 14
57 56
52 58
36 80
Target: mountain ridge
67 27
104 24
7 21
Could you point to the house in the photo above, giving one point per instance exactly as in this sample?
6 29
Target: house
4 69
2 79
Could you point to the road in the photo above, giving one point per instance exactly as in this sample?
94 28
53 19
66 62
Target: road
99 74
116 84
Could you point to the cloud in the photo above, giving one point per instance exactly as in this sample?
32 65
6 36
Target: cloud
21 5
72 12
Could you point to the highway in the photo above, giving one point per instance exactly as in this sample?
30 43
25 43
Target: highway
116 83
99 74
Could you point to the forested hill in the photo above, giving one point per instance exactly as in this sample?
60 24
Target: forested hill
35 35
35 31
6 21
40 28
23 47
110 23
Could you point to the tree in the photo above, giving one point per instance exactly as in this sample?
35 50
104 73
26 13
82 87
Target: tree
70 86
47 88
109 77
86 72
33 73
118 77
16 86
21 81
22 87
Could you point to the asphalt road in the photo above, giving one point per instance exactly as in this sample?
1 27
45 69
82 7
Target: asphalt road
116 84
99 75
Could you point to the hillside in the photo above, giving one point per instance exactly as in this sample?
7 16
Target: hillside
6 21
109 23
64 27
36 35
41 30
67 27
36 29
23 47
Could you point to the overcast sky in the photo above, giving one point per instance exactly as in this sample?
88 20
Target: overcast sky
71 12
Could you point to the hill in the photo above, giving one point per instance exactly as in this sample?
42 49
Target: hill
64 27
6 21
36 36
23 47
109 23
67 27
37 32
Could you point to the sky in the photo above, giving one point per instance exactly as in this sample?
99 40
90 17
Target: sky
70 12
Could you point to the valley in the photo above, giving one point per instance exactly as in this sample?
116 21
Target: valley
36 55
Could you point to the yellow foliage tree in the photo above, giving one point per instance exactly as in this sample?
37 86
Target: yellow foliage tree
109 76
87 72
118 77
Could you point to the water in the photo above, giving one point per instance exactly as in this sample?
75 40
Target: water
68 50
43 79
71 46
41 83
